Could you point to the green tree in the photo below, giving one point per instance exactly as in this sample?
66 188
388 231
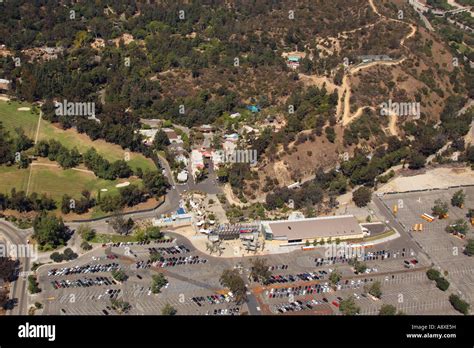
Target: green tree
387 309
231 279
416 160
161 140
457 200
442 284
362 196
359 266
349 307
120 306
470 247
459 304
335 277
375 289
158 281
120 224
33 286
458 227
440 208
154 232
155 257
86 232
432 274
8 268
330 134
168 310
259 270
155 183
49 231
56 257
4 293
86 246
119 275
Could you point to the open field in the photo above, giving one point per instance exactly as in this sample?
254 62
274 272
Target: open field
71 138
56 182
12 177
47 177
12 118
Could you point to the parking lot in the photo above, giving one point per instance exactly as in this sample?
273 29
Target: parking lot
85 286
299 283
444 249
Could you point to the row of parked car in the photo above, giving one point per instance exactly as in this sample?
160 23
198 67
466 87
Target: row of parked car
369 256
110 293
88 268
212 299
277 267
308 276
172 250
295 306
299 290
83 282
143 264
146 242
176 261
225 311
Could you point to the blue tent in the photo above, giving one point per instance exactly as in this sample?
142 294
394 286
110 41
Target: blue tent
253 108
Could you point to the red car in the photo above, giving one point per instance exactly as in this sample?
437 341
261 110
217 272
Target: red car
414 261
335 303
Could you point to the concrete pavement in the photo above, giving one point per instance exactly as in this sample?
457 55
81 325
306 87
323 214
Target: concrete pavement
18 289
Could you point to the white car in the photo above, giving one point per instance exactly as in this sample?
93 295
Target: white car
356 296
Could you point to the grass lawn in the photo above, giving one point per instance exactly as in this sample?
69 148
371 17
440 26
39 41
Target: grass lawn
112 152
53 180
113 238
12 118
56 182
12 177
379 236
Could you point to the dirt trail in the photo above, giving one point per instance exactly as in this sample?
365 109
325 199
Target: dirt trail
346 87
58 166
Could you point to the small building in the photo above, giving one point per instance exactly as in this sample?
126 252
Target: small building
342 227
182 176
172 136
231 137
237 231
4 85
206 128
181 158
293 62
197 162
247 129
149 135
253 108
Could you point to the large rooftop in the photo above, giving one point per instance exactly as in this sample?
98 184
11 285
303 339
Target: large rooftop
322 227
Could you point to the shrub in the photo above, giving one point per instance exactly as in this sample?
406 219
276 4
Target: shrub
442 284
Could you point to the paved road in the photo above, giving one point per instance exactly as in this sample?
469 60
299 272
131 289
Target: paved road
395 225
18 290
